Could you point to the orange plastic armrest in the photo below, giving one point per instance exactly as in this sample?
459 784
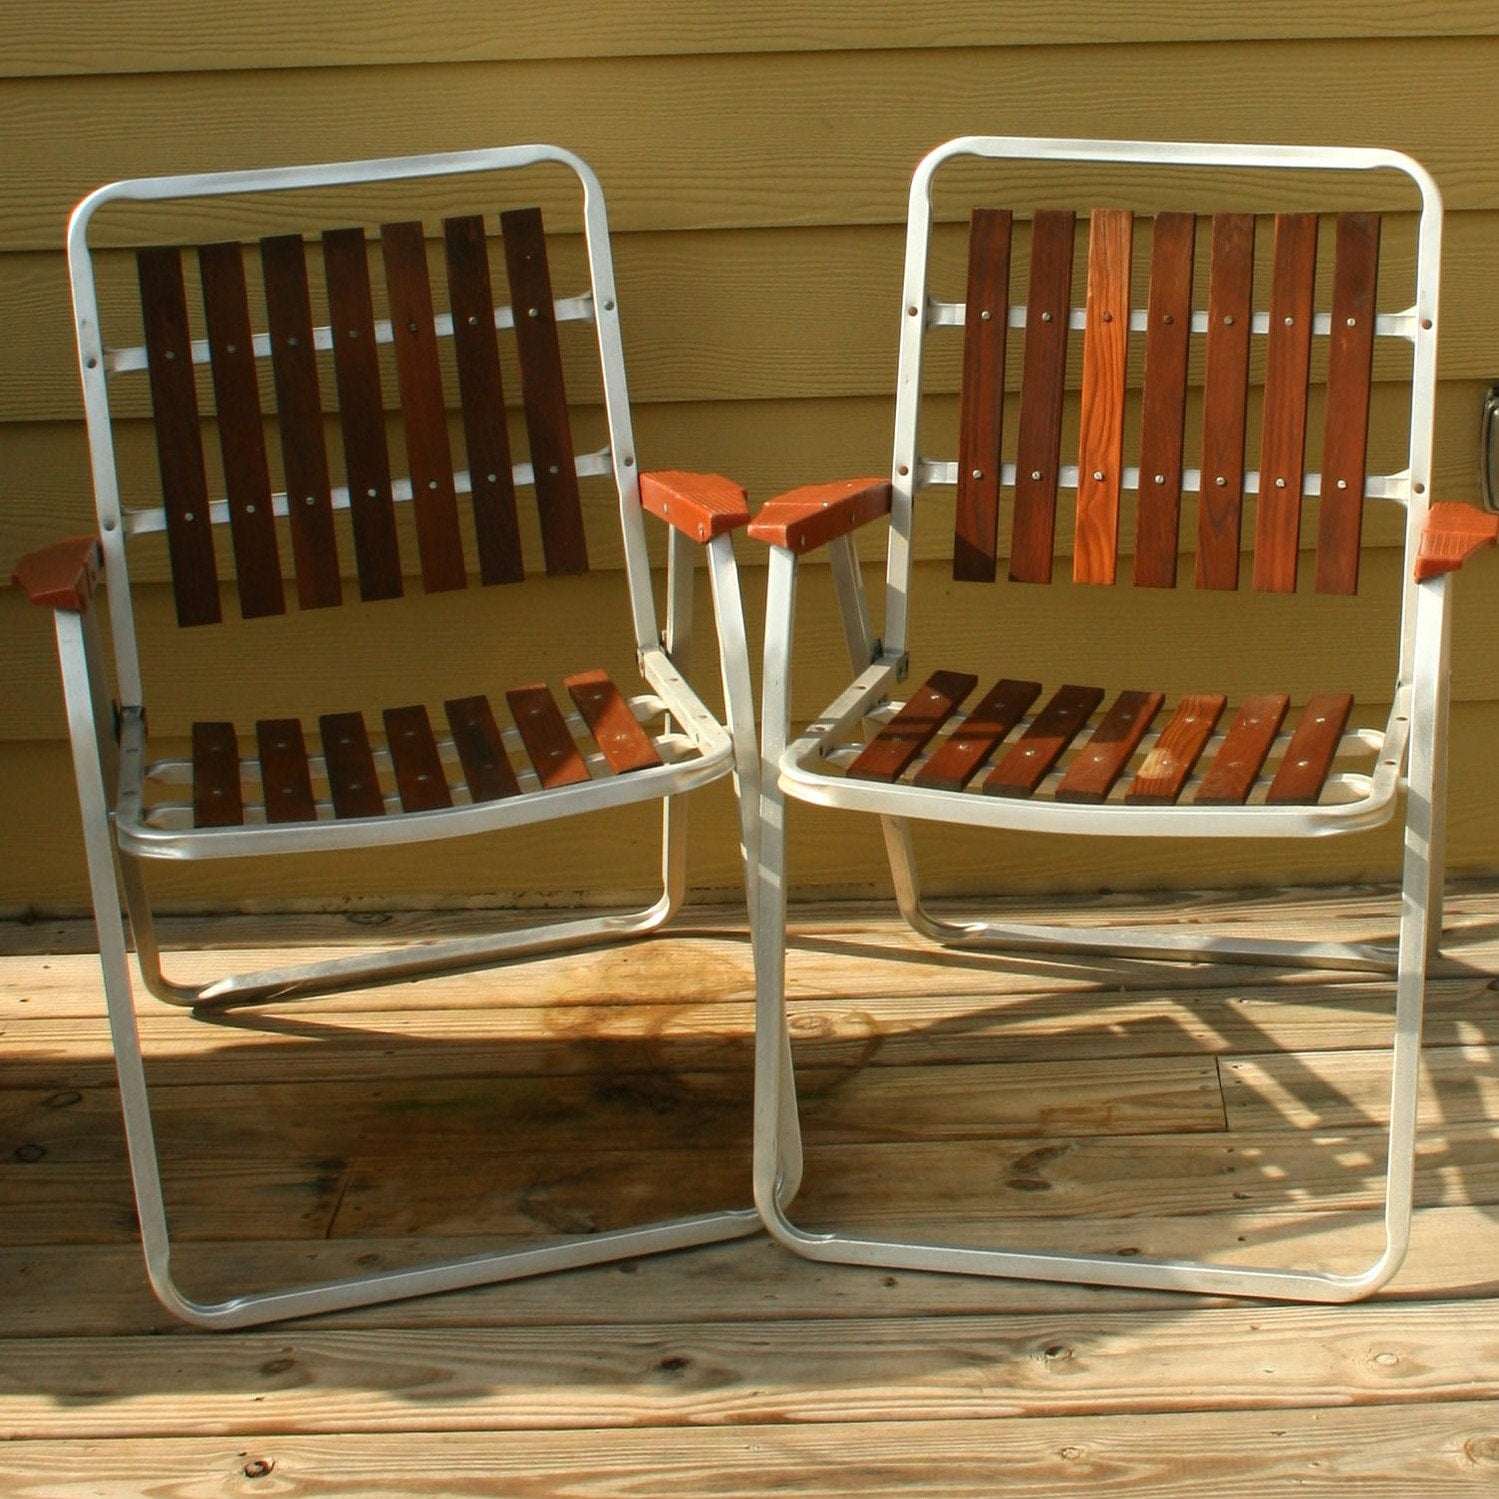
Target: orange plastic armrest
701 506
818 513
61 576
1451 534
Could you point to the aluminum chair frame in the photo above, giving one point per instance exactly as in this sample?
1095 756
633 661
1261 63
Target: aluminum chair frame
1409 755
122 836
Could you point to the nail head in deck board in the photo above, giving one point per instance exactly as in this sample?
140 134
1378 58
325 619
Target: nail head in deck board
247 474
625 745
1042 745
481 749
891 751
420 777
962 754
218 801
304 458
1245 748
1313 746
351 766
481 390
179 441
1043 390
543 392
544 732
361 414
1167 339
285 775
1101 425
1176 751
1350 363
424 415
1102 759
981 404
1288 348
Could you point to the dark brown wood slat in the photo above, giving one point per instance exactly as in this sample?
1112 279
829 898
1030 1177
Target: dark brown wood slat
1277 532
423 411
1043 390
1101 427
351 766
179 442
481 750
361 414
420 777
218 801
1225 400
1350 365
236 389
963 753
887 756
1167 338
481 391
1246 746
299 403
982 402
285 775
543 392
1041 746
1176 751
1313 746
1101 761
616 730
544 732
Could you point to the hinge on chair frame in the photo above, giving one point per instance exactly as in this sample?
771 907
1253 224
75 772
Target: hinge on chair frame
877 654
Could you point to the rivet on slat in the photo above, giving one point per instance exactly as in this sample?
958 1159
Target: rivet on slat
249 510
533 312
431 483
1290 322
1280 483
493 478
985 315
473 320
231 348
978 473
911 311
312 499
171 353
1045 317
1098 473
1220 481
1353 322
1035 473
1228 320
411 326
1168 318
1160 478
1342 484
353 333
1302 764
291 340
188 516
552 468
1108 317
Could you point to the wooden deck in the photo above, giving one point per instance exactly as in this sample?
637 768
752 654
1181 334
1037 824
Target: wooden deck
1236 1109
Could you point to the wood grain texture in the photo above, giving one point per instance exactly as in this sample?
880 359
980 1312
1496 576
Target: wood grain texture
1245 748
420 778
615 729
544 732
966 750
217 800
352 778
1101 761
1309 756
1172 758
481 750
890 753
285 775
1038 749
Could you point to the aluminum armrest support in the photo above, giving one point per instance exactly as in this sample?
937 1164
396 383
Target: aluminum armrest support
810 517
61 576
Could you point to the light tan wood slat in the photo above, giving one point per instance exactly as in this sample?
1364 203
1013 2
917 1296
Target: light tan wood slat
420 778
888 755
217 799
1101 431
964 752
1177 749
1042 745
1310 754
1245 748
544 732
285 776
1277 532
617 732
481 750
1101 761
351 766
981 410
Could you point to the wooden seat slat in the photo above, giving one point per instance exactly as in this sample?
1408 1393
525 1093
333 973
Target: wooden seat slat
241 424
1042 745
1277 535
481 750
1176 751
179 442
1245 748
299 408
1043 391
1313 746
361 413
544 732
285 775
1225 400
543 393
963 753
981 404
218 801
1102 759
482 395
1350 365
420 777
351 766
1167 339
625 745
887 756
1101 426
424 416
